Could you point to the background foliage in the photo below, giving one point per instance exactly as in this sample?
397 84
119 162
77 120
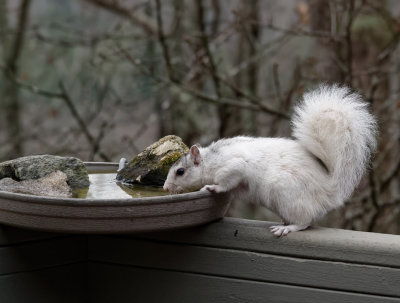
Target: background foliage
102 79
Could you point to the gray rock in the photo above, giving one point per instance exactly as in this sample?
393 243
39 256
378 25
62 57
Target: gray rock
54 184
151 166
35 167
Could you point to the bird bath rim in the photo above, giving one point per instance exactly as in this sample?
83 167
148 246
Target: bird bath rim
111 215
99 167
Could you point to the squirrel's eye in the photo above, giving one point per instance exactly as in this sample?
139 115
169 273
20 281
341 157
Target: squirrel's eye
180 171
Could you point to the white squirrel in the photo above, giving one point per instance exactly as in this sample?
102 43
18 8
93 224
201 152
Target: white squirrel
300 180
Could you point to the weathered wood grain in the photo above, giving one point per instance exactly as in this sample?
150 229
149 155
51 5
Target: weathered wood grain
125 284
231 260
314 243
247 265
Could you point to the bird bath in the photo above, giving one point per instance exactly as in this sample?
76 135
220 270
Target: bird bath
104 186
118 210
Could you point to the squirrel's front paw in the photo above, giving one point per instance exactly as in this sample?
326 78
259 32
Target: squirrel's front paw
210 188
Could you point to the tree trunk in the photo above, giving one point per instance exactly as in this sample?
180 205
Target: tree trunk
10 103
328 53
252 73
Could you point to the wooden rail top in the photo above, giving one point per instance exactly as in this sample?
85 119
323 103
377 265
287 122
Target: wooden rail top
230 260
315 242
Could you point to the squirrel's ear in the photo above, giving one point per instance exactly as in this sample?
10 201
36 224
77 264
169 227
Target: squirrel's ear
195 154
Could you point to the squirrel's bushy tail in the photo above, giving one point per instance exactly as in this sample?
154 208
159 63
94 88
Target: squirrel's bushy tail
334 125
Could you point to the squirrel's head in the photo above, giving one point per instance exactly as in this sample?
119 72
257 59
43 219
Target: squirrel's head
186 174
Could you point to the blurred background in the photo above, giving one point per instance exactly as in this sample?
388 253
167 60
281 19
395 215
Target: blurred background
103 79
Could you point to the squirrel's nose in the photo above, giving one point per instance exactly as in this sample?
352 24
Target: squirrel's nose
165 187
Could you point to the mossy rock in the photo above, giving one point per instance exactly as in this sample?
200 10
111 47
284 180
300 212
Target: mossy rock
39 166
53 185
151 166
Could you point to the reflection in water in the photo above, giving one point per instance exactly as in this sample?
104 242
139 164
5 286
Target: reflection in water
104 186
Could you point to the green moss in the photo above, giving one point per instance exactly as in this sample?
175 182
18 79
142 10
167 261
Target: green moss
151 157
134 161
171 158
152 165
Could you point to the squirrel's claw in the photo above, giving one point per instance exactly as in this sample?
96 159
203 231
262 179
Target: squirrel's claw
283 230
215 188
210 188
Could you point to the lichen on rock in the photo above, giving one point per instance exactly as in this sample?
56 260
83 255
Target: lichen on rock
54 185
38 166
151 166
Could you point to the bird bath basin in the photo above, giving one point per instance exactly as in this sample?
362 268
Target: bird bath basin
111 213
104 186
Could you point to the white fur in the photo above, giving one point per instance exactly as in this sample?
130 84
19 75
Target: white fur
331 125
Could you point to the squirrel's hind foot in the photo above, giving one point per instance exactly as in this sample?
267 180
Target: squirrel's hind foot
283 230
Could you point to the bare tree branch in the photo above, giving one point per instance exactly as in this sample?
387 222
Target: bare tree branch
206 47
348 38
11 102
163 42
64 95
254 106
138 18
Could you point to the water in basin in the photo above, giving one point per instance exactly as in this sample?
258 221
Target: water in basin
104 186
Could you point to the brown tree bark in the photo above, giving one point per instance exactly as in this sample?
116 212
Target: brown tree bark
326 57
12 48
235 121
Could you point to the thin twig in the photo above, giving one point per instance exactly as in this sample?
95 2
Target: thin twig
63 95
277 85
92 141
163 43
206 47
66 97
242 94
301 32
348 38
392 174
374 198
198 95
140 19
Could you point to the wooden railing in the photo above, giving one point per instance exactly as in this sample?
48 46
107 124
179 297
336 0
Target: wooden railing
232 260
